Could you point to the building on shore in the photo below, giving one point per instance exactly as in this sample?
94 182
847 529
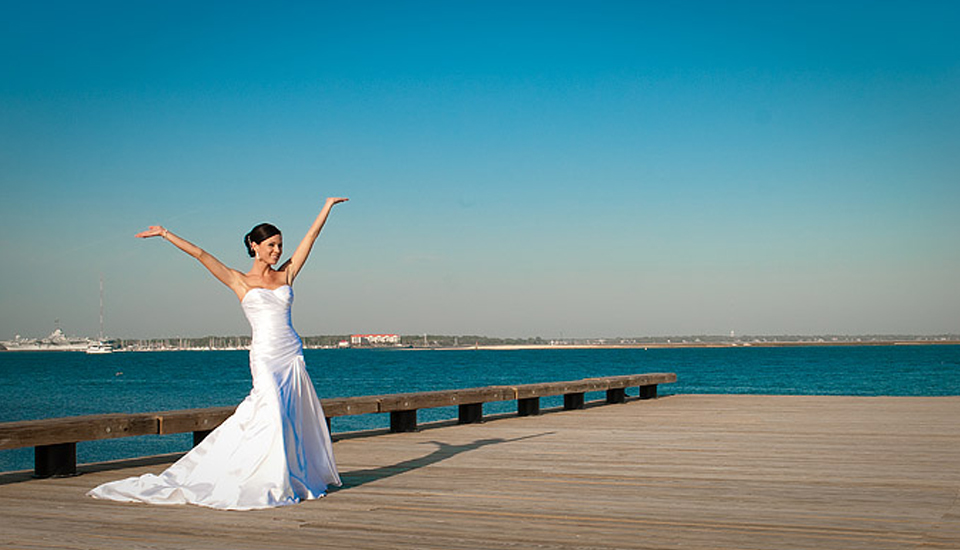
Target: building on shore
357 340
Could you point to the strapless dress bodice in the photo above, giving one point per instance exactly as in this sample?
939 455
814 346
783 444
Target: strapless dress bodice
268 309
269 312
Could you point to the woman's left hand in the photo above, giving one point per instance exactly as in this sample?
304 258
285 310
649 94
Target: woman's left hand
152 231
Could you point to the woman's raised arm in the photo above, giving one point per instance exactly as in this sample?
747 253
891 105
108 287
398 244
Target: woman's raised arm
224 274
300 255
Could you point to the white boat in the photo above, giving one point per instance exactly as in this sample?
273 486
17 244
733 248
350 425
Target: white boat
100 348
57 341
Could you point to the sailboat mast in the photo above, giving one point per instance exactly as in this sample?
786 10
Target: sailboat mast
101 308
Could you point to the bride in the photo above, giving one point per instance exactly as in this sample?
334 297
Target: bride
275 449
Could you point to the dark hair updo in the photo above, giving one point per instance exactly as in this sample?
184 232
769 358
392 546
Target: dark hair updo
259 234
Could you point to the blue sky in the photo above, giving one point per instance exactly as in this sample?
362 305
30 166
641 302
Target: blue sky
514 168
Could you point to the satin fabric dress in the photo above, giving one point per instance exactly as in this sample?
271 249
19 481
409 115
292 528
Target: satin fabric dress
273 451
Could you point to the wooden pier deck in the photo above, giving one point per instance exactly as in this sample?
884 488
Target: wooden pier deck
690 471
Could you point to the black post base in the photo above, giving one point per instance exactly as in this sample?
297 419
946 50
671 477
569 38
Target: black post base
617 395
58 460
199 436
471 413
572 401
648 392
528 407
403 421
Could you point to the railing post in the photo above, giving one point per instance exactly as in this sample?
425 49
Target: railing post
58 460
529 406
199 435
648 392
616 395
471 413
403 421
572 401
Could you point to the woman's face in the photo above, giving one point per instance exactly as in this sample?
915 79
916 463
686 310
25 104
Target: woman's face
270 249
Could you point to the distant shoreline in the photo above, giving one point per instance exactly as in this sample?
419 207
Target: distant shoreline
558 346
694 345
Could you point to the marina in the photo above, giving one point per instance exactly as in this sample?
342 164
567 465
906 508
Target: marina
682 471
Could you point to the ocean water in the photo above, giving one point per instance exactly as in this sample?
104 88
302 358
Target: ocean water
54 384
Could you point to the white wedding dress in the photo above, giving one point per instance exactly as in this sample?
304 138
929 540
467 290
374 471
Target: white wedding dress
274 450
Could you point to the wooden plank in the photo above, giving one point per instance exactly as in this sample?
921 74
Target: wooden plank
545 389
192 420
346 406
529 391
51 431
636 380
444 398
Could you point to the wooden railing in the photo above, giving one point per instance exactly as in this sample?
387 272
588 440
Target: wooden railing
55 439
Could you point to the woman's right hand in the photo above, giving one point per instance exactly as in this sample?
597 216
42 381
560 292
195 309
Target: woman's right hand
152 231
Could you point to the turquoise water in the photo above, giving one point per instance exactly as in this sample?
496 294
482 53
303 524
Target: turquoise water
44 385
